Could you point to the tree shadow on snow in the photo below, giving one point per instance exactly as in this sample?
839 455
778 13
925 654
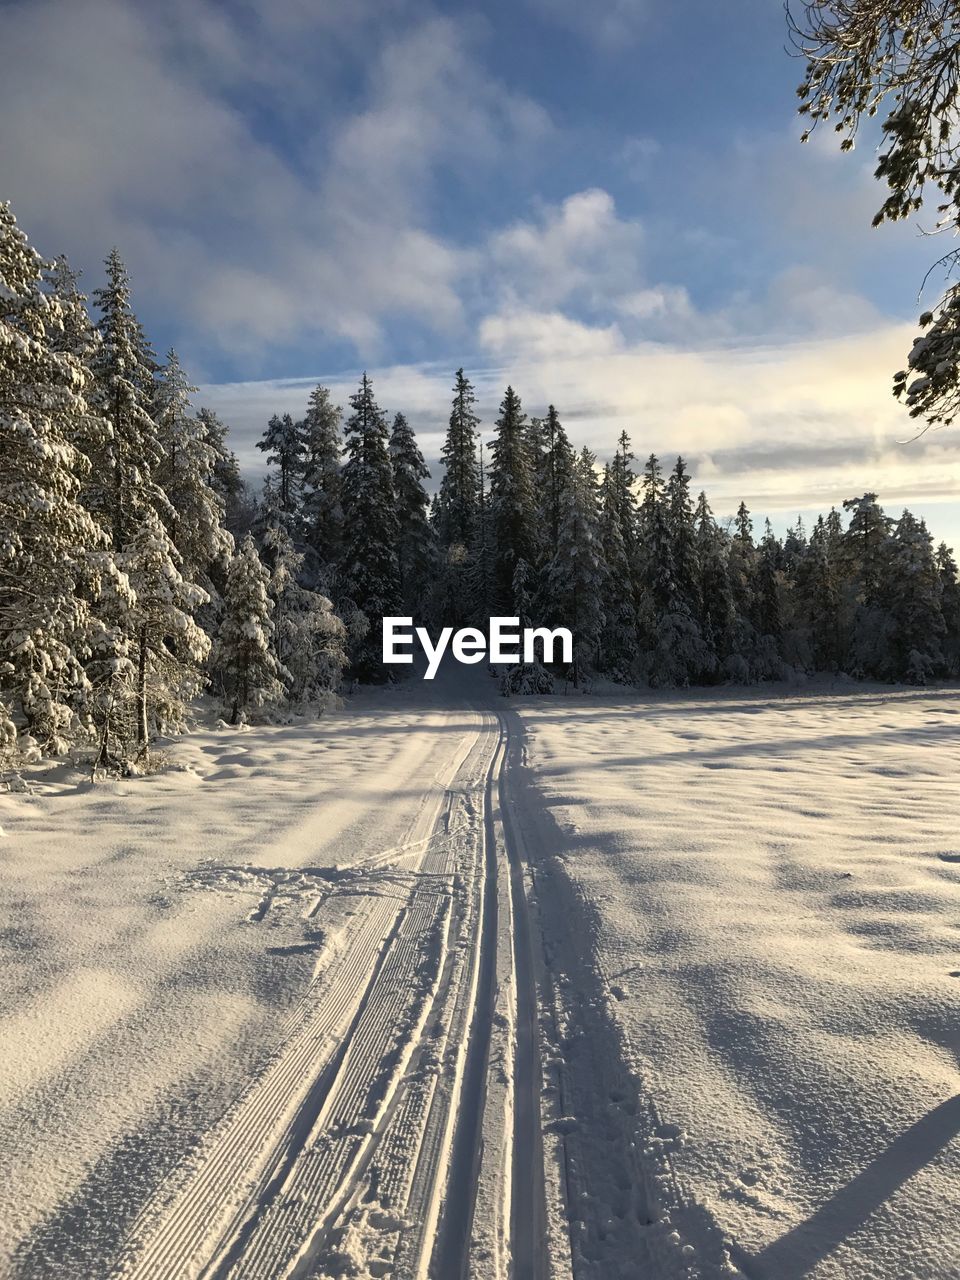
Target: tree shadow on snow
795 1254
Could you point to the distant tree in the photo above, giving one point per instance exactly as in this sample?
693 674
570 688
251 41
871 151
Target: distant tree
575 575
242 655
169 646
901 58
308 638
282 442
225 478
673 651
618 643
915 593
415 541
457 502
717 608
369 570
950 608
186 474
322 448
512 499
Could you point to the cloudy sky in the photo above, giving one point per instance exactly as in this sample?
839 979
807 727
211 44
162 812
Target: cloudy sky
605 204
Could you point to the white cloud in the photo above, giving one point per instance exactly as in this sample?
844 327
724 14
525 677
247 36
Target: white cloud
136 140
608 24
520 334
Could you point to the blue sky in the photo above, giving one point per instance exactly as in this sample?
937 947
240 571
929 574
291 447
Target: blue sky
607 205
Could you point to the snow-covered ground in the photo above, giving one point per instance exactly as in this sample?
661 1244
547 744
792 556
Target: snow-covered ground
770 887
270 1011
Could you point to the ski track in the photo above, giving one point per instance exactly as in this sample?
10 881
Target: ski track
364 1144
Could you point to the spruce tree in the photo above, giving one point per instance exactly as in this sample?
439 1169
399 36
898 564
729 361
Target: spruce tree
479 573
225 478
915 594
512 500
950 608
123 366
672 647
415 544
309 639
683 537
576 574
249 672
717 609
322 449
556 464
457 503
618 646
52 550
282 442
369 570
186 475
169 646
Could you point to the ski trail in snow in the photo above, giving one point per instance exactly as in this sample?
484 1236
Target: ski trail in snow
359 1149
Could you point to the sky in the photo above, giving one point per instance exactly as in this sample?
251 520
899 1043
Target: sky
605 205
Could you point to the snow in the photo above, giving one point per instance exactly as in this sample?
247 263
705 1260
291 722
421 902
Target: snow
744 918
772 889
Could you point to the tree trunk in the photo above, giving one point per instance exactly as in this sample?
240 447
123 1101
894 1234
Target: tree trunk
142 690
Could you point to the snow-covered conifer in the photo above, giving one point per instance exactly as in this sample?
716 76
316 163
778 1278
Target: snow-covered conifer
415 543
242 655
369 571
308 637
512 499
282 442
322 449
575 575
186 475
50 545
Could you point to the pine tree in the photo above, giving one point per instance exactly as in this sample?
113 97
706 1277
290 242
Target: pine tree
123 367
950 608
225 478
717 609
673 650
308 638
186 475
554 475
322 449
576 573
683 537
623 480
169 645
819 595
282 442
415 546
524 677
250 673
52 551
866 553
479 572
369 571
618 646
512 500
458 488
915 594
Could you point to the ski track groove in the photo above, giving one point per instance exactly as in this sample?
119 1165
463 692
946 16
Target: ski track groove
364 1136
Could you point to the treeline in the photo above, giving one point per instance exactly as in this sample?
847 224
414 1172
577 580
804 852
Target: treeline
137 568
